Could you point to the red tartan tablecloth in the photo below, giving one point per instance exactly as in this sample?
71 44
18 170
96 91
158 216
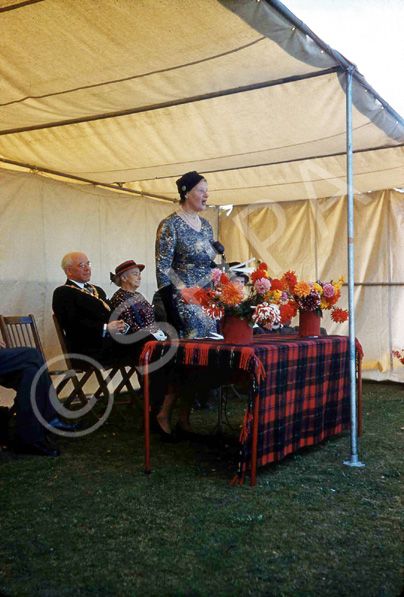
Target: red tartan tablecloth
303 387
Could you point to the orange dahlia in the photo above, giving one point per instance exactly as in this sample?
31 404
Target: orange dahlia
301 289
339 315
232 294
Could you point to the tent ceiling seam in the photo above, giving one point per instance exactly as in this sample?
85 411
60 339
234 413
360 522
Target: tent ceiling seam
20 5
133 77
239 155
173 103
115 187
294 182
312 157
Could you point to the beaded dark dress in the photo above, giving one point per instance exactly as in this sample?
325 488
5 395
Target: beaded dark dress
183 258
135 310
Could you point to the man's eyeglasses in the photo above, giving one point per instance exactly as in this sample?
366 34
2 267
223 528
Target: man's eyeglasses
83 265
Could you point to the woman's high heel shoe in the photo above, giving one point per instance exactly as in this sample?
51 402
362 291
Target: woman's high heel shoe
155 427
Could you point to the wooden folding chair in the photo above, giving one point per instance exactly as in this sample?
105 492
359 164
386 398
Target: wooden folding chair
87 372
21 331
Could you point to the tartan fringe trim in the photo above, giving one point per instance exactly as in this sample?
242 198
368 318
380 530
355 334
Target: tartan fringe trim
237 480
198 350
246 355
246 426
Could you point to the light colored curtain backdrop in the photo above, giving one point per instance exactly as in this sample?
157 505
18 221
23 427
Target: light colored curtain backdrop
310 237
42 219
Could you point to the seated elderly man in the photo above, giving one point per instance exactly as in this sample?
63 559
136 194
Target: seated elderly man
18 370
84 312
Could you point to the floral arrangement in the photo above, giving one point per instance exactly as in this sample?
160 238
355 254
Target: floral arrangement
227 297
268 301
399 355
292 295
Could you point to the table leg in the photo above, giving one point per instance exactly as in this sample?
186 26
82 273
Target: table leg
359 396
146 418
255 439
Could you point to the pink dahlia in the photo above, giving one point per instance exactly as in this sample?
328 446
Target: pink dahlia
215 274
328 290
262 286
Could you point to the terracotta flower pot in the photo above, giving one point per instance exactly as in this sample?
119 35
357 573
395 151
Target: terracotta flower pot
309 324
236 330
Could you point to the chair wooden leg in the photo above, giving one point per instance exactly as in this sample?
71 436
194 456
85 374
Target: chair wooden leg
101 389
126 383
102 383
77 392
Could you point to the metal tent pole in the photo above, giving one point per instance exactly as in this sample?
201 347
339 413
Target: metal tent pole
354 460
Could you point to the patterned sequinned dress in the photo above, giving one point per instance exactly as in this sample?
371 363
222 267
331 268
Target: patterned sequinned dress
134 309
183 258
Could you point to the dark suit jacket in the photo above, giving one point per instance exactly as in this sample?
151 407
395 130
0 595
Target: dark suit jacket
82 316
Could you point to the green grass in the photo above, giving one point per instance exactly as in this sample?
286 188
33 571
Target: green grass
92 523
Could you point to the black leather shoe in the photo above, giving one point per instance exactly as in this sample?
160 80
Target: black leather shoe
37 449
58 424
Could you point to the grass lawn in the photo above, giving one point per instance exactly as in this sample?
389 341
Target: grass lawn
92 523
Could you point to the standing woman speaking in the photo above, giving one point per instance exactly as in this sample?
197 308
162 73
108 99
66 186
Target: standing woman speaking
184 256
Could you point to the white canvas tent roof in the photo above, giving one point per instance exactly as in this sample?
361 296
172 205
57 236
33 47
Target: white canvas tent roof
138 92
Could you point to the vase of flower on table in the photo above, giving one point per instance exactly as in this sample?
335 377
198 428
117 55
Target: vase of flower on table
309 299
237 307
268 302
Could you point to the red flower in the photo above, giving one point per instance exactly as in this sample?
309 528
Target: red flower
398 355
259 274
332 300
263 265
224 279
287 312
289 280
339 315
276 284
188 295
202 297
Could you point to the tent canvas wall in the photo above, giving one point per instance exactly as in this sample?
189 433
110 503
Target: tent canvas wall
42 219
132 94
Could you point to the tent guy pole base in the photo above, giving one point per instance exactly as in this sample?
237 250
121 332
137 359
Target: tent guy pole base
354 462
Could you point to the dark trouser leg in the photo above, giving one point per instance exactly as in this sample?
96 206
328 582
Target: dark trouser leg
18 367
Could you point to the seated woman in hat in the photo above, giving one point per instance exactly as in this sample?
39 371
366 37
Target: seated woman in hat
134 309
129 304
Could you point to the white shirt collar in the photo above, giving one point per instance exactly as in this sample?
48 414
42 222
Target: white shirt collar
80 284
